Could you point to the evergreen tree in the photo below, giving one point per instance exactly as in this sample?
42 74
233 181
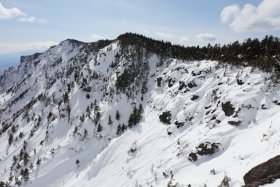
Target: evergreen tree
3 184
65 97
264 54
99 127
88 110
14 160
26 158
110 122
117 115
134 118
21 154
119 129
82 118
11 138
97 114
38 162
85 134
124 127
25 174
140 108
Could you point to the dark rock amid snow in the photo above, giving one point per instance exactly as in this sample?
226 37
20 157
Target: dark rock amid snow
206 148
192 84
165 117
192 156
171 82
182 85
265 173
194 97
228 108
239 82
235 123
159 79
276 102
179 124
263 107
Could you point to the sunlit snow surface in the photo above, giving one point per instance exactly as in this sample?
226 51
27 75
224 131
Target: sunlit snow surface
106 159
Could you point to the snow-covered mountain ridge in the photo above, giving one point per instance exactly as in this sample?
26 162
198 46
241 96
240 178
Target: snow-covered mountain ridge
104 114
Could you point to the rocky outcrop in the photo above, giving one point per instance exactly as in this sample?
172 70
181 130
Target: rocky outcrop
228 108
206 148
265 173
179 124
165 117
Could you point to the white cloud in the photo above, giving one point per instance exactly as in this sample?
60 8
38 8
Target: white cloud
229 12
6 13
8 48
165 35
32 20
206 37
11 13
96 37
263 17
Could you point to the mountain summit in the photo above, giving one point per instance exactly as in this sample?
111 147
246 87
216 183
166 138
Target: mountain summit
139 112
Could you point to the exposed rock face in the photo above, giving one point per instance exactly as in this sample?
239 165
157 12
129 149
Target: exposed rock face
193 156
228 108
206 148
235 123
165 117
179 124
182 85
194 97
192 84
239 82
265 173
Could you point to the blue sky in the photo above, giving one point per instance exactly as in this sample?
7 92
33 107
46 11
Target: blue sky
32 25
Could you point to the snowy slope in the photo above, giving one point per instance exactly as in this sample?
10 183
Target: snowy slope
59 124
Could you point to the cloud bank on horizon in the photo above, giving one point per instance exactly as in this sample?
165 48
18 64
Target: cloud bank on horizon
206 37
8 48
